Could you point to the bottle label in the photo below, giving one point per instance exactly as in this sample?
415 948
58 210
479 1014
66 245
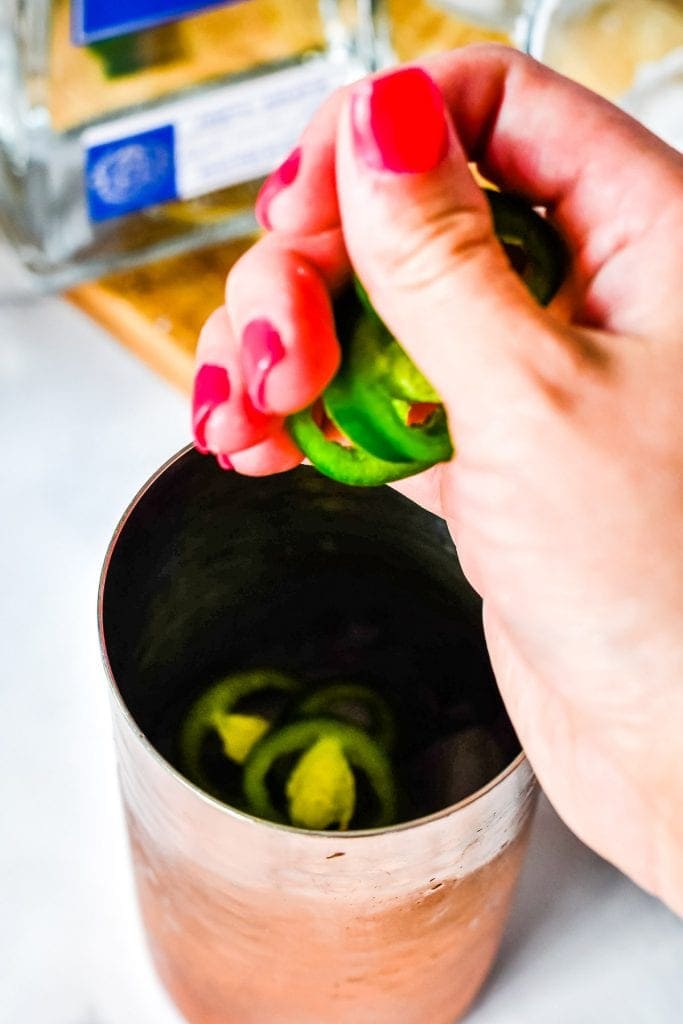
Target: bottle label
236 133
92 20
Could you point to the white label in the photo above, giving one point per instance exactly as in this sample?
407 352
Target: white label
254 127
232 134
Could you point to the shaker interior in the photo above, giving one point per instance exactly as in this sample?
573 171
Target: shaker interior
213 572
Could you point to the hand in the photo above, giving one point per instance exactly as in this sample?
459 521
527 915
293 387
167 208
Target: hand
565 498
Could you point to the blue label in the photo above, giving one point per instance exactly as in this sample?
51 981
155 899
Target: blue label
130 173
100 19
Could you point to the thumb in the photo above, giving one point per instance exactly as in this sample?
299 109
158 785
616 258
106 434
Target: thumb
420 237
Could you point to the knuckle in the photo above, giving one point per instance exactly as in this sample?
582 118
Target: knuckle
569 368
424 254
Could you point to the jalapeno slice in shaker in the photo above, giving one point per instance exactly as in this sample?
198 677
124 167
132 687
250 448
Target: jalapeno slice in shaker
320 790
356 704
216 711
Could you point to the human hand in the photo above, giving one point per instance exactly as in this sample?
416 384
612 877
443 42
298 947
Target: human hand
565 498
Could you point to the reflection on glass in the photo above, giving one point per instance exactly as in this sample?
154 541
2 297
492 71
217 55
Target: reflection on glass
630 51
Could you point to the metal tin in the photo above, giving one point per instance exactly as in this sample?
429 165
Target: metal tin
251 922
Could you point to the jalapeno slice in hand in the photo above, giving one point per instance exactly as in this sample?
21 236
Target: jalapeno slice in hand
216 711
370 399
320 790
373 396
354 465
542 261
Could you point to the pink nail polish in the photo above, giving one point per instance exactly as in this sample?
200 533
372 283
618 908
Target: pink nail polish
211 388
399 122
279 179
224 462
262 348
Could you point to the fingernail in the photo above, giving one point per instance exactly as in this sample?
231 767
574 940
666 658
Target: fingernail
279 179
211 388
262 348
399 123
224 462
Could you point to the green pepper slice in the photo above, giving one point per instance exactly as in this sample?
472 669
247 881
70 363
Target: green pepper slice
372 394
407 381
320 790
213 712
354 466
357 704
543 252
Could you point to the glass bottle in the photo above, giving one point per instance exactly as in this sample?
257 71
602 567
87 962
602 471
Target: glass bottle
140 128
630 51
409 29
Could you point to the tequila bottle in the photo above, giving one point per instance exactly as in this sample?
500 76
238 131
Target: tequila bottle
138 128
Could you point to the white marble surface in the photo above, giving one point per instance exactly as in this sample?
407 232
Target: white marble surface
83 425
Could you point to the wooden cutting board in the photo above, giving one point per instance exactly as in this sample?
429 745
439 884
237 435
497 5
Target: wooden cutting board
157 310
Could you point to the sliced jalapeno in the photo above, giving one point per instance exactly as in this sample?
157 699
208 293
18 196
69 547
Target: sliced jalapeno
357 704
373 394
370 403
542 251
347 465
238 732
320 790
